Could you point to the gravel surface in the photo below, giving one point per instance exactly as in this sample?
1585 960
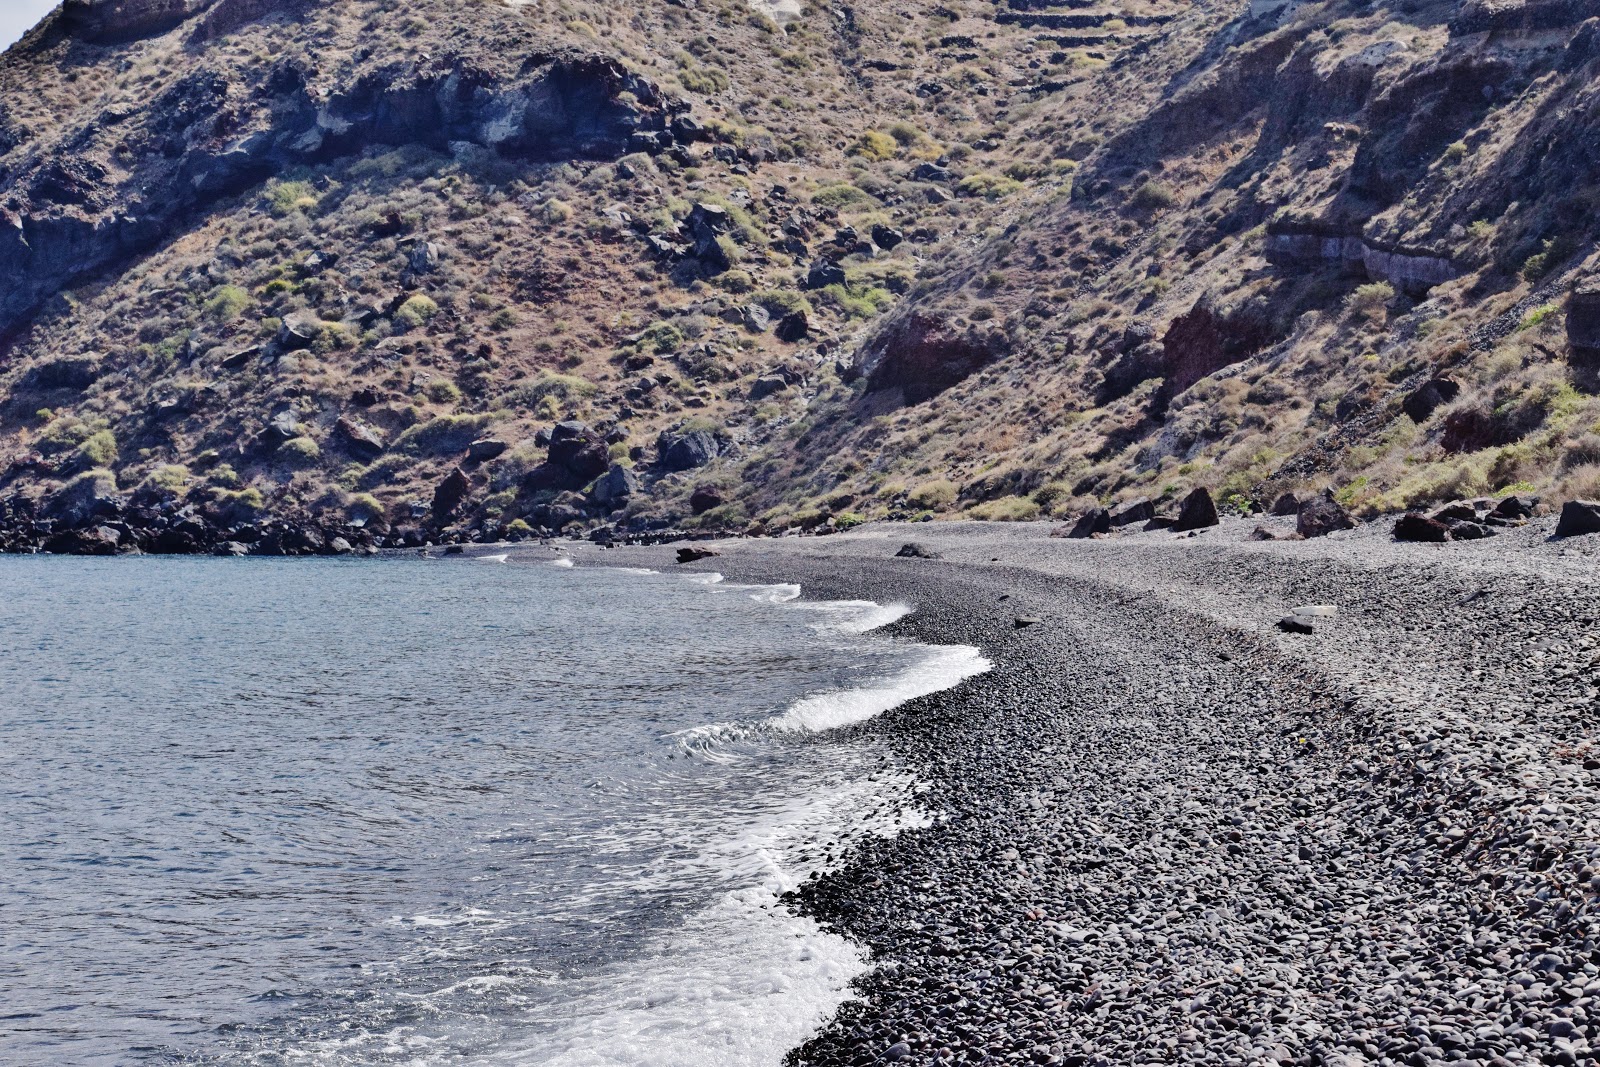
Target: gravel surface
1171 832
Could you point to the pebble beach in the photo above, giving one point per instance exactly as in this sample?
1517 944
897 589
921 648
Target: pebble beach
1165 830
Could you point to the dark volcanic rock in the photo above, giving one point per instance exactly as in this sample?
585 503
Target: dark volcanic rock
1321 516
766 385
71 372
485 449
823 273
1286 505
1516 507
91 541
1415 527
1429 397
615 487
1094 521
923 356
1579 517
1198 511
576 456
359 438
690 555
687 451
793 327
704 498
916 550
1141 510
449 495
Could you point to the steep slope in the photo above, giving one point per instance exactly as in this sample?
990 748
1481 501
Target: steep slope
277 272
1334 253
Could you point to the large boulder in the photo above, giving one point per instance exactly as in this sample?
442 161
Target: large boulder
704 498
1429 397
766 385
575 456
1141 510
923 355
615 487
1415 527
579 449
1321 516
486 448
90 495
823 273
91 541
687 450
358 438
1579 517
1198 511
1515 507
1286 505
281 428
69 372
449 495
1094 521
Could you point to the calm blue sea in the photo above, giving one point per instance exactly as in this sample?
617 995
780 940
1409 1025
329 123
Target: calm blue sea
387 812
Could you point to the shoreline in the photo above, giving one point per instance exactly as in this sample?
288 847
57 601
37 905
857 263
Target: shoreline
1169 832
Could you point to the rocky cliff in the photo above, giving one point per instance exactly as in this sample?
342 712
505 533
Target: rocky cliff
354 266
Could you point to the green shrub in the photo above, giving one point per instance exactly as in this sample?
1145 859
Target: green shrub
1006 509
299 451
1370 301
99 448
416 311
227 303
548 384
842 195
938 493
989 186
858 301
448 433
736 281
364 507
240 505
443 391
661 338
1538 316
1153 196
781 302
286 197
698 79
874 146
172 477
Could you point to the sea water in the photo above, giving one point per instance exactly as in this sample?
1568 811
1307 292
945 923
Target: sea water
331 812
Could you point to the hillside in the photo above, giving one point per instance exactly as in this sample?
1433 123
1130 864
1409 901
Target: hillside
277 273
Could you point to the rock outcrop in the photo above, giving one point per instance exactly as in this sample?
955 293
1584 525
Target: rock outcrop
923 356
67 214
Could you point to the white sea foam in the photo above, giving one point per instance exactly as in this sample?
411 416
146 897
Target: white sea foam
740 983
707 578
777 594
561 563
745 980
499 557
860 616
944 666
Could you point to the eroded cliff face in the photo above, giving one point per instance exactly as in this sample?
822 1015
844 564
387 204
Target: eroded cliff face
122 181
107 21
